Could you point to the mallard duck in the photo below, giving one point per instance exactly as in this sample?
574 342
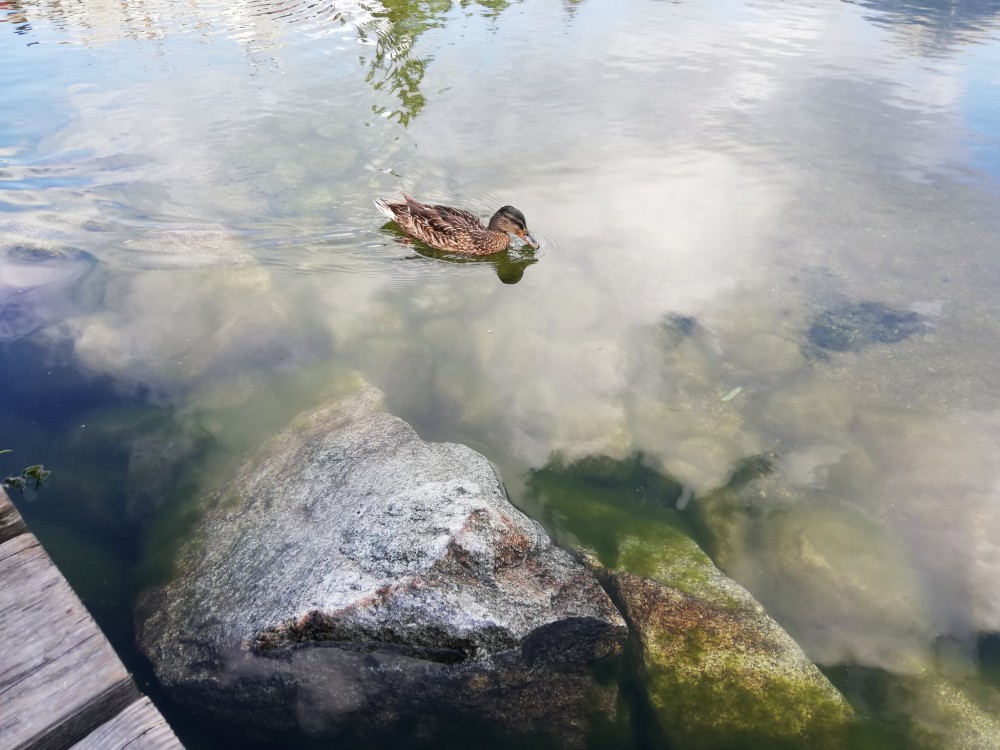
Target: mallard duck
454 230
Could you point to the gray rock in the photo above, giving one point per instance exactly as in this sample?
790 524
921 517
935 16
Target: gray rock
353 577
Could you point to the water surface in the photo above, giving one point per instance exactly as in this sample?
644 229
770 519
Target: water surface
189 256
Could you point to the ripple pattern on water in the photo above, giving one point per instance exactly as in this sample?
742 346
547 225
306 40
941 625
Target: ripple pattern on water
101 21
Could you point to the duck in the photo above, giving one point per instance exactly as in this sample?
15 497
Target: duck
454 230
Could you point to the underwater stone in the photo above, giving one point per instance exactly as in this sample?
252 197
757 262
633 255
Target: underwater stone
169 330
844 585
156 463
931 711
767 353
718 671
39 286
17 321
24 266
582 303
854 326
810 409
191 246
352 578
702 461
848 581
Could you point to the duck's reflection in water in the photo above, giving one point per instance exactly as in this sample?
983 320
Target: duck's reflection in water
509 265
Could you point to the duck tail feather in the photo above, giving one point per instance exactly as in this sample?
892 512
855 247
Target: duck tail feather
383 207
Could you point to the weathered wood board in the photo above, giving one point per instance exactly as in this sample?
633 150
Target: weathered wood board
11 523
138 726
61 683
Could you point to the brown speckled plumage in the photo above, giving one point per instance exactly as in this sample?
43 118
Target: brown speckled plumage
455 230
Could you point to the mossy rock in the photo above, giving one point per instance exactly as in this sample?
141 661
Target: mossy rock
718 671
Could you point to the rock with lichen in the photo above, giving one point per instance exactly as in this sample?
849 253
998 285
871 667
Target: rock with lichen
353 579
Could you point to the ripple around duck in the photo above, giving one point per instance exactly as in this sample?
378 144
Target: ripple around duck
487 204
364 253
384 255
338 249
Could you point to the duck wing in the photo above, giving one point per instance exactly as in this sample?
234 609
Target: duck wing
459 218
440 226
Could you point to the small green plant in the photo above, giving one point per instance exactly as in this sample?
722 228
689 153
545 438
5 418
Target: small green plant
36 474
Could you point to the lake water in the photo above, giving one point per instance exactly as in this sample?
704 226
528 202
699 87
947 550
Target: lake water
767 230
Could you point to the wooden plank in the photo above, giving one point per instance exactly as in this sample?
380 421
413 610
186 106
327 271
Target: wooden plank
11 523
59 676
140 724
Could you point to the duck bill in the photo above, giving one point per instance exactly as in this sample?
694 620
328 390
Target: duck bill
529 240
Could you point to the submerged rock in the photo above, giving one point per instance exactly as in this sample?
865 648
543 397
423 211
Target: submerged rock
929 711
718 671
169 330
945 714
156 464
39 286
354 578
855 326
843 583
673 325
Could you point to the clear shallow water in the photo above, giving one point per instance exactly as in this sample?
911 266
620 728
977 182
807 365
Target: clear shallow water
190 256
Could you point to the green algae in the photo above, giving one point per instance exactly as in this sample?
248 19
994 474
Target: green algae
603 503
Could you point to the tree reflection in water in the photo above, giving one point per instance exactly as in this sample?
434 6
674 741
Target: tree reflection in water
394 32
935 28
389 28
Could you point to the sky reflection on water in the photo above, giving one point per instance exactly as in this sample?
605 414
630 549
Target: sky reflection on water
746 166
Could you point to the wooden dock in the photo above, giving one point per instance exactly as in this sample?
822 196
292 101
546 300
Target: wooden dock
61 683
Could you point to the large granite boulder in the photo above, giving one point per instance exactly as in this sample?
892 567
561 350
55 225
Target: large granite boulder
353 577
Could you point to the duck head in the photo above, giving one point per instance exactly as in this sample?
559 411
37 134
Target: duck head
508 219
